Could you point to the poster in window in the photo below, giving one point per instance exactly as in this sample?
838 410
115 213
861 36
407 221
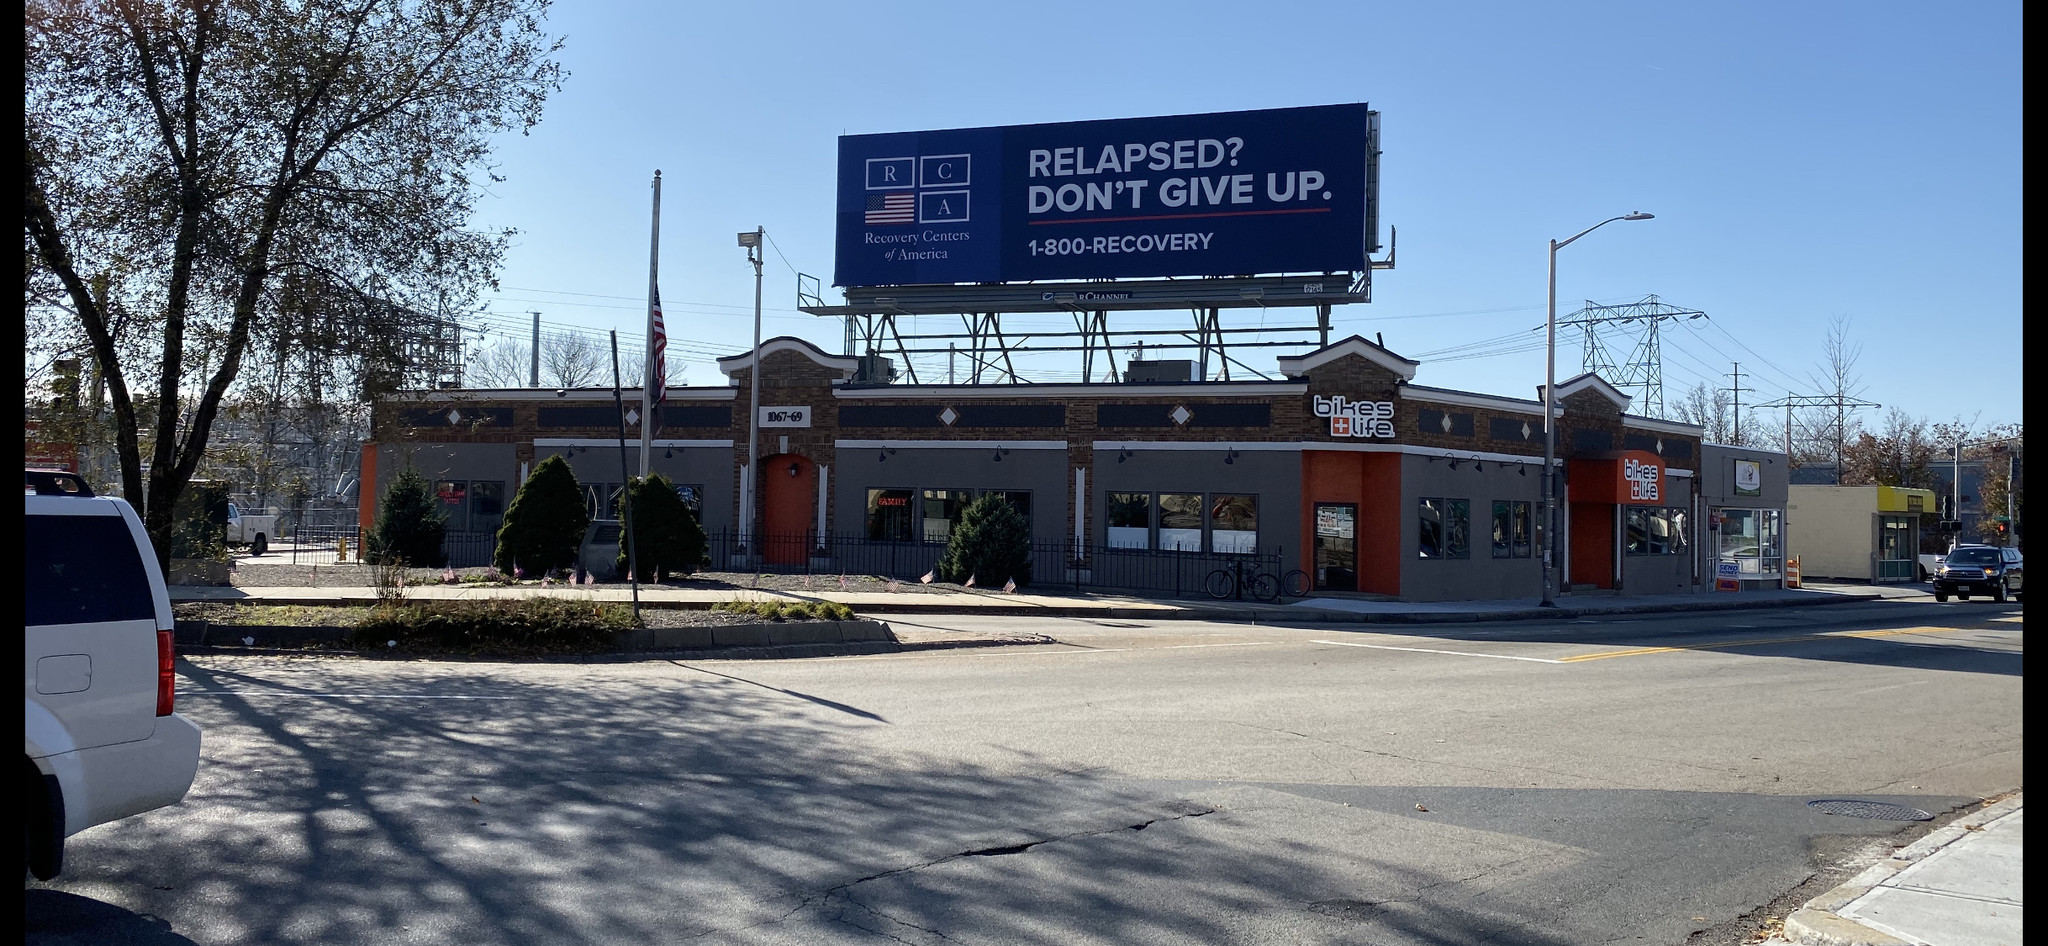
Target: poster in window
1749 478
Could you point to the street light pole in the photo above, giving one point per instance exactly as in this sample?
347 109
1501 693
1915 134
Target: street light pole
1549 477
752 241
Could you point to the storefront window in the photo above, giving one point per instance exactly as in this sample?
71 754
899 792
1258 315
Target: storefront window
1524 530
1019 499
486 506
1130 520
693 497
1180 522
889 515
1752 539
1457 528
1656 530
1510 529
1636 534
1234 523
942 509
1446 528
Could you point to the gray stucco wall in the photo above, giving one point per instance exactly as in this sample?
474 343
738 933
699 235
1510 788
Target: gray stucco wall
1716 476
709 467
1481 575
1274 476
450 461
1043 472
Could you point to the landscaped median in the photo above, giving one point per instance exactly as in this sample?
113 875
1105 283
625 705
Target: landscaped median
531 626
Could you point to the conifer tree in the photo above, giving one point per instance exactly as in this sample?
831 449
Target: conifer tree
544 525
992 544
668 539
410 524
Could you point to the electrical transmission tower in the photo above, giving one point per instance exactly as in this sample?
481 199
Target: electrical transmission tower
1644 367
1842 404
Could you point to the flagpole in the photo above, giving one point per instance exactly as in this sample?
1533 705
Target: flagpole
647 379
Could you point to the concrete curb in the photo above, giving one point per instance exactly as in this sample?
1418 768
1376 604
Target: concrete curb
1276 614
721 642
1287 615
1819 924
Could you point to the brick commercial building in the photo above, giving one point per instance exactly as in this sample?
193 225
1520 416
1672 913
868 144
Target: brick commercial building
1343 468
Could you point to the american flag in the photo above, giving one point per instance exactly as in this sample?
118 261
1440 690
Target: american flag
892 208
657 356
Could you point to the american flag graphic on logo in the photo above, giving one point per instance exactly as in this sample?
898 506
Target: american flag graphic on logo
892 208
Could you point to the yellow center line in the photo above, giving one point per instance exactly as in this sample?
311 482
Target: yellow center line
1640 651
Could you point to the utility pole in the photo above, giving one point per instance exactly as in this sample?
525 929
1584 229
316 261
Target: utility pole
1735 436
533 380
756 254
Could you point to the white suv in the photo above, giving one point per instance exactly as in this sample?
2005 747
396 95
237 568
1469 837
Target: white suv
102 740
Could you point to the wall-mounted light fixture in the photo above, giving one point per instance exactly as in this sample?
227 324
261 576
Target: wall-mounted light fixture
794 469
1230 457
1122 454
1521 469
1454 463
669 453
1478 467
885 454
1000 450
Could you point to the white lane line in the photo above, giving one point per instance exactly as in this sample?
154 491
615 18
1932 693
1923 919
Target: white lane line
1233 644
1425 650
350 696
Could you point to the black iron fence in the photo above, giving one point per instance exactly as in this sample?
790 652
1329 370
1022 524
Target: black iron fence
328 546
1054 563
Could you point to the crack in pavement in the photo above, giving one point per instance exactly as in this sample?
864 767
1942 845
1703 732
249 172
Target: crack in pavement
839 892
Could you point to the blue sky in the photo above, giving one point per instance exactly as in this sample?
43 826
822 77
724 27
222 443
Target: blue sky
1805 162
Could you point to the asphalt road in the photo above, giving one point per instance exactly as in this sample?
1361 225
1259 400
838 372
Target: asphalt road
1630 780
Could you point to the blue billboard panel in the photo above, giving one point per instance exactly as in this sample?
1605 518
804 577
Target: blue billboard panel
1291 190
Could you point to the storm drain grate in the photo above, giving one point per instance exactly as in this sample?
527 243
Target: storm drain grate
1875 810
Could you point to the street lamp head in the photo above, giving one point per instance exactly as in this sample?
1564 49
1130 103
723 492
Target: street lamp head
1639 215
750 238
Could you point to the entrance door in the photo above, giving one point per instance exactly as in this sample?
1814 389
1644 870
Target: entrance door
1336 548
789 485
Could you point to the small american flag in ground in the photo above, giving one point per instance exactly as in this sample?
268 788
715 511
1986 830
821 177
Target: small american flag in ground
892 208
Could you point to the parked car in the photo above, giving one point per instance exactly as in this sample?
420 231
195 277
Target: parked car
103 740
1981 569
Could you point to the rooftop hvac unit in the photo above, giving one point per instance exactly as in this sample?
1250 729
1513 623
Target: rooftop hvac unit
875 369
1143 372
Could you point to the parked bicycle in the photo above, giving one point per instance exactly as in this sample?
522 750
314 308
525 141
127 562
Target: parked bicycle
1243 580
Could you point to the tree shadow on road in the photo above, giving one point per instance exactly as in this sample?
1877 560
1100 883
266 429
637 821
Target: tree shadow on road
344 801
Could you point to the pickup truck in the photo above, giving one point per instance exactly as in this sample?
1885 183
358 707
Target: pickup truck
1930 565
251 530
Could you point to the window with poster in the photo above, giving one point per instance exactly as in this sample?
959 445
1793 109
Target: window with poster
1752 539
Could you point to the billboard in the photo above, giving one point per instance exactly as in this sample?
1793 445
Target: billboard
1288 190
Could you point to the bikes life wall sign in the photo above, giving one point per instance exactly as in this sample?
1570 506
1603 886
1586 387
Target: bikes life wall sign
1349 418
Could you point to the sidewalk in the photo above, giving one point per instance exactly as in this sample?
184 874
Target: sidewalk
1344 610
1958 886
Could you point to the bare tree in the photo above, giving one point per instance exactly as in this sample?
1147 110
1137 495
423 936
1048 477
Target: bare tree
197 170
1714 409
503 364
572 360
1821 434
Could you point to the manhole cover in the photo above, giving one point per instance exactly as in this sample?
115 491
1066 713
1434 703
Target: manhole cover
1868 809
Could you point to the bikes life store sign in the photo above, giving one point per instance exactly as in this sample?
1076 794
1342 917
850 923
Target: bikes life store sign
1349 418
1632 477
1289 190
